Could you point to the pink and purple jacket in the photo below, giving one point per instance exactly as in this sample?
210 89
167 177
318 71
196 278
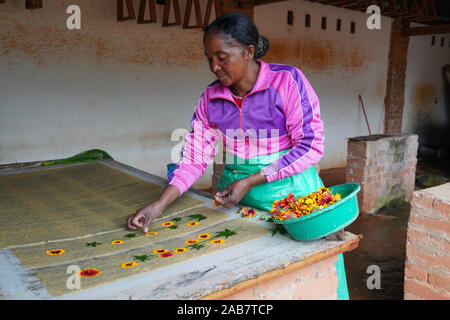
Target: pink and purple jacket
281 111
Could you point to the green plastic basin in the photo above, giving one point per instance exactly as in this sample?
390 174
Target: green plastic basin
327 220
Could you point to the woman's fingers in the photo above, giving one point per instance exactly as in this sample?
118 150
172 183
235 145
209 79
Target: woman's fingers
147 222
130 222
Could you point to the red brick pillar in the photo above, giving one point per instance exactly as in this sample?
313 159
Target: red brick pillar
427 265
395 87
385 167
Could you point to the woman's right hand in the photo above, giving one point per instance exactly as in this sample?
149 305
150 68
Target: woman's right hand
143 217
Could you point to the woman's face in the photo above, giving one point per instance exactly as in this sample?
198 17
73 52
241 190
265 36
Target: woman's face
228 59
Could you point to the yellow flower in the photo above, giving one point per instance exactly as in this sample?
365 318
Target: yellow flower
216 204
192 223
217 241
193 241
55 252
180 250
167 224
128 265
204 236
115 242
160 251
149 234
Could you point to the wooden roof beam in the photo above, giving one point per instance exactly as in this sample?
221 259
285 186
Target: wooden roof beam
428 30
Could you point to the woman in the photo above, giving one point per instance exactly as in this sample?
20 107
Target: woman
267 115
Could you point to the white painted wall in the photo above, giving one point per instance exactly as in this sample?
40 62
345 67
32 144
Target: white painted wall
339 65
124 87
425 83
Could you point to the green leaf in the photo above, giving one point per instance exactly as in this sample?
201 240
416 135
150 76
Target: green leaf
225 233
144 257
278 229
173 227
176 219
93 244
199 217
196 246
130 235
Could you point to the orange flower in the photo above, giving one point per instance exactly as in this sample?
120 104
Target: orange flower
166 255
89 272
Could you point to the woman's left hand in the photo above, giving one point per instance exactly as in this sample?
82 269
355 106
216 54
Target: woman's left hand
234 193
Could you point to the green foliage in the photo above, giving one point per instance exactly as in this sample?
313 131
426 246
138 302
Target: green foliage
93 244
199 217
225 233
144 257
196 246
130 235
278 229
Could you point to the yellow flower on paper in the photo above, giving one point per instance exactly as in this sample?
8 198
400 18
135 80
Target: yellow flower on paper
193 241
149 234
116 242
55 252
167 224
128 265
204 236
192 223
180 250
217 241
159 251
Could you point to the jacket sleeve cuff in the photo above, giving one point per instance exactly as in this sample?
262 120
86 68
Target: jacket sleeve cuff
271 172
177 183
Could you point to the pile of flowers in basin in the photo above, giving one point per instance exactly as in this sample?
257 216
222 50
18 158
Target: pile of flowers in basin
294 207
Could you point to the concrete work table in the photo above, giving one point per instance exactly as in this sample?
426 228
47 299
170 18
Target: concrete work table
268 267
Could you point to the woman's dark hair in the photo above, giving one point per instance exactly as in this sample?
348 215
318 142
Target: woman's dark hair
241 28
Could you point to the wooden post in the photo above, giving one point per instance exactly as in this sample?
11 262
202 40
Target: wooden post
120 9
141 14
176 8
187 14
218 11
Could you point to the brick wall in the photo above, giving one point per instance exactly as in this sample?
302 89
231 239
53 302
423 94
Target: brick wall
427 265
385 167
395 86
318 281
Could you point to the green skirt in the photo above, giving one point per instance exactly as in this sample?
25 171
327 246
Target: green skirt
262 196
